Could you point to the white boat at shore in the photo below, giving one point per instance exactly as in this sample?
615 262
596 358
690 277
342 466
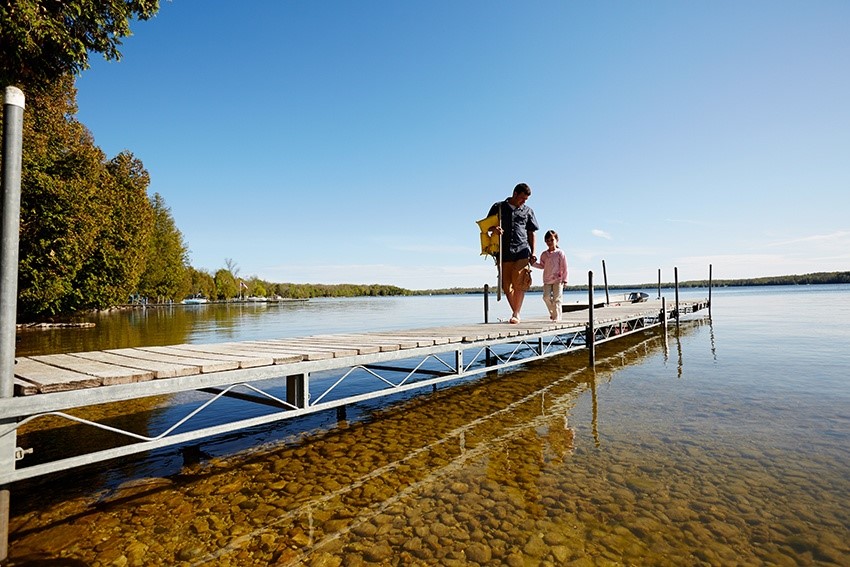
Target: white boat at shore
197 300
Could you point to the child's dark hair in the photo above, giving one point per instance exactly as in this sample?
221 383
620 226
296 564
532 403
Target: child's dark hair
552 234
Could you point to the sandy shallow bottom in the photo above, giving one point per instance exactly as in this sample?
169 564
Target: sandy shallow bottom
548 465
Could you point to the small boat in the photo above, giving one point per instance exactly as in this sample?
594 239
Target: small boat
637 297
196 300
632 297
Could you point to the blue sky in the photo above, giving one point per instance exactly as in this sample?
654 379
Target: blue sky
338 141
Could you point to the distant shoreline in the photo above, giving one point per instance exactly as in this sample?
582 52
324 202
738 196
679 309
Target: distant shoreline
817 278
805 279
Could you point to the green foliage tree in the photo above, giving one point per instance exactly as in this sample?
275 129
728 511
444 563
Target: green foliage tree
256 287
165 274
113 270
201 283
62 172
43 40
225 285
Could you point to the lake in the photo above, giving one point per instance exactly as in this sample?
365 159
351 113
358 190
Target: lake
728 443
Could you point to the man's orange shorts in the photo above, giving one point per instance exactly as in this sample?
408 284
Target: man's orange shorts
516 275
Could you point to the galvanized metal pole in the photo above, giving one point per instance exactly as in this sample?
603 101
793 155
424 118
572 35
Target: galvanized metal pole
676 277
659 283
605 279
709 291
10 222
590 333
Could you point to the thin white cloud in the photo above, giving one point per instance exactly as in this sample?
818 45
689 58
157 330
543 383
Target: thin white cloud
601 234
837 235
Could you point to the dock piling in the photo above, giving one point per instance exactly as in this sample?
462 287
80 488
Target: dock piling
709 291
605 280
659 283
590 333
676 278
10 222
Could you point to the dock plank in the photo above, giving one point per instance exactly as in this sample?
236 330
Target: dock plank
197 351
338 343
24 388
304 344
47 378
382 344
108 373
205 364
282 351
159 369
258 357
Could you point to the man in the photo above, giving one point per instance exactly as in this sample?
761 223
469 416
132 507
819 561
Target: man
516 229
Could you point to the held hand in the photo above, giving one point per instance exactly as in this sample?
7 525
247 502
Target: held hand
497 229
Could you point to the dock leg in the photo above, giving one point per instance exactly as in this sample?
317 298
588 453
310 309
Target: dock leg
8 442
676 277
10 222
298 390
590 332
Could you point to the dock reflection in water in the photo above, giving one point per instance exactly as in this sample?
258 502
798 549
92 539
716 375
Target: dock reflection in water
531 467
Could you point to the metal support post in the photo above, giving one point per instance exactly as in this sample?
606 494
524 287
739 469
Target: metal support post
10 222
709 291
659 283
590 334
298 390
676 277
605 279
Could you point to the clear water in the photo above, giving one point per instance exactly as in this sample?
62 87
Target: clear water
727 444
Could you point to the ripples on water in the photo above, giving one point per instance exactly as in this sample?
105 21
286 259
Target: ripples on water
728 445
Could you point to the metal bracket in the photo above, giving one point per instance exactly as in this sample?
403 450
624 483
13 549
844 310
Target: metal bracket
21 452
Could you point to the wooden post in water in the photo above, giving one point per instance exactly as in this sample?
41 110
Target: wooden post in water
605 279
590 333
10 222
664 317
676 278
486 303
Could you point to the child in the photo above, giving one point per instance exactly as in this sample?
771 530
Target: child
554 264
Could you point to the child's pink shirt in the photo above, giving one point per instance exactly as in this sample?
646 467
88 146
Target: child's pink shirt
554 266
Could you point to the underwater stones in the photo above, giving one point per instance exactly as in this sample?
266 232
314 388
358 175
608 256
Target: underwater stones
478 552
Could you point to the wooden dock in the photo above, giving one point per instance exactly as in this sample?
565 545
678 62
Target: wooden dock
301 375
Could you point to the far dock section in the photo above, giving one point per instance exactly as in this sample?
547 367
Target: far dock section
291 377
